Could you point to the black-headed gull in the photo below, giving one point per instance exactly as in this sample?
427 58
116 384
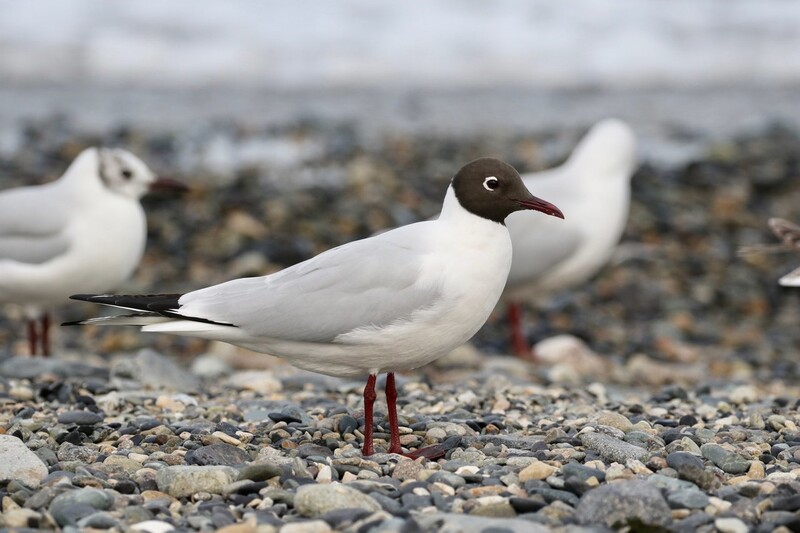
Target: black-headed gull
395 301
593 188
83 232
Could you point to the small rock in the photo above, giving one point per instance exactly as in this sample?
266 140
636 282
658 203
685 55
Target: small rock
687 499
731 525
69 507
153 526
260 381
614 420
494 509
260 471
151 369
756 470
678 460
81 418
19 518
218 454
625 503
100 520
181 481
570 359
407 469
536 470
316 500
728 461
611 448
210 366
448 478
347 424
17 462
123 463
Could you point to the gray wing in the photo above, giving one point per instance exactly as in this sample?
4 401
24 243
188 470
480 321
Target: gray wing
33 249
32 211
368 283
31 224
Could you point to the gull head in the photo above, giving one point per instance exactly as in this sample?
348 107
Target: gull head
492 189
124 173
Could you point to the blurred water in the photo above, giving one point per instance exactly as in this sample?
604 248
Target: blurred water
443 43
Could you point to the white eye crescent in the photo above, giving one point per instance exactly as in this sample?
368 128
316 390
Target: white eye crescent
491 183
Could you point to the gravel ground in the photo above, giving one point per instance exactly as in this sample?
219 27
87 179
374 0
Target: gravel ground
673 406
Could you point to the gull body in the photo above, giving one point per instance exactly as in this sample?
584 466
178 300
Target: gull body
593 189
391 302
83 232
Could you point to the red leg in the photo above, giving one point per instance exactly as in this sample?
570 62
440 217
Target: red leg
44 338
32 335
391 403
519 342
369 400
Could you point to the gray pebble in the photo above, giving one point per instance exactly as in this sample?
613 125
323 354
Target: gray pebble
687 499
448 478
182 481
218 454
727 461
259 471
316 500
677 460
625 503
69 507
100 520
18 463
611 448
670 483
81 418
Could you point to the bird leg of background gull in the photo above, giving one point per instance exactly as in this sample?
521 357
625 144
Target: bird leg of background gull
39 335
519 342
369 400
32 338
44 334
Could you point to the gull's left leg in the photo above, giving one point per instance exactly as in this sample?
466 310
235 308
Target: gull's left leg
431 452
369 400
391 403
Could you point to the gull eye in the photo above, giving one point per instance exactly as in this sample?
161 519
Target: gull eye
127 174
491 183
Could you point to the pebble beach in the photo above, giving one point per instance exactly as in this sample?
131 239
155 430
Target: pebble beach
665 398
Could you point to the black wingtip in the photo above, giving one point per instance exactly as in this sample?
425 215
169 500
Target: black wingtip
83 297
74 323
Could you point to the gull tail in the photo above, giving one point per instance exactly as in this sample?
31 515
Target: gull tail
149 310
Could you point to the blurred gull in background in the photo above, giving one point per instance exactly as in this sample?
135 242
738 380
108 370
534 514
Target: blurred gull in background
84 232
593 190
